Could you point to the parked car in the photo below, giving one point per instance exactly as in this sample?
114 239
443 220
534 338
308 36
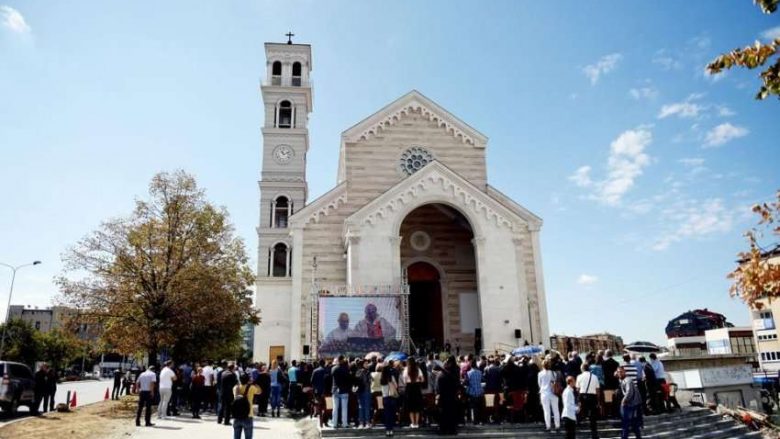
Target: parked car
17 386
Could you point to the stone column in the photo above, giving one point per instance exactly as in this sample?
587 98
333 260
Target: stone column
273 211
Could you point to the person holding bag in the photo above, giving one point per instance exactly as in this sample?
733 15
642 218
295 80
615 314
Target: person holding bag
588 386
242 408
389 397
549 389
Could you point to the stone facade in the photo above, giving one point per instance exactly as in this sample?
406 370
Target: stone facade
359 232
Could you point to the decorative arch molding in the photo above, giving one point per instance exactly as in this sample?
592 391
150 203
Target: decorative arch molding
326 210
416 103
321 207
280 241
417 108
435 183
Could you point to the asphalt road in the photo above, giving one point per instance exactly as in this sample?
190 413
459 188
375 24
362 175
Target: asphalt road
87 392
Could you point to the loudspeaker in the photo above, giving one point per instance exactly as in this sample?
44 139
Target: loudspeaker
518 334
477 332
305 349
478 339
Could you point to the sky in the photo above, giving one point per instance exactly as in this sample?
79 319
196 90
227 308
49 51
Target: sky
599 115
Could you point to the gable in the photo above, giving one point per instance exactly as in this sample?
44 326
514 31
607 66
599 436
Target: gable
411 105
414 101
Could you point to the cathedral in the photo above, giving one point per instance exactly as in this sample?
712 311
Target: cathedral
412 214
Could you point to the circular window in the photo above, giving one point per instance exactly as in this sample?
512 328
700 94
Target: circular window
413 159
420 241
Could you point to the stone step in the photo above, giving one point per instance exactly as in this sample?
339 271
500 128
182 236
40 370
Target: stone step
690 424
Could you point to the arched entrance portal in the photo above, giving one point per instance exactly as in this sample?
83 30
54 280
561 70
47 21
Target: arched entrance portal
438 254
426 324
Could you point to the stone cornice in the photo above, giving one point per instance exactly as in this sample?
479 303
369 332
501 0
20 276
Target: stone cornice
414 102
320 207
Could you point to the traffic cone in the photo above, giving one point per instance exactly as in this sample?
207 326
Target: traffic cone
105 397
73 401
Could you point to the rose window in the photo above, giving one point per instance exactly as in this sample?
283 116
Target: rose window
413 159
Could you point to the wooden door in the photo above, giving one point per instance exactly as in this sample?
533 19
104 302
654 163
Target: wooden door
275 353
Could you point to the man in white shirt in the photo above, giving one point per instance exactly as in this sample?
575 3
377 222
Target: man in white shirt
588 386
208 385
145 387
167 376
569 414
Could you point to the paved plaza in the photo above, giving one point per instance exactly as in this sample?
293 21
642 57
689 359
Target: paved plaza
207 428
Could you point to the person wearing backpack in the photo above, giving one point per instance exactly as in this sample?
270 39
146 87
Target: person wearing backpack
549 390
242 407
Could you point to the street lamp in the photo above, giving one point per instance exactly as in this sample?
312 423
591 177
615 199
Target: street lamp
10 293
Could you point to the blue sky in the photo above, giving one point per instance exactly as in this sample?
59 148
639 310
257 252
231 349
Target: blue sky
599 116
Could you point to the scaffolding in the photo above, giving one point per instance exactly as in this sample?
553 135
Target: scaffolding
401 293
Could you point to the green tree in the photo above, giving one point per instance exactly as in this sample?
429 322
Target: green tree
59 348
22 342
167 274
754 56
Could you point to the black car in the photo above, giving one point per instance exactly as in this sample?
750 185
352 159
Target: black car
17 386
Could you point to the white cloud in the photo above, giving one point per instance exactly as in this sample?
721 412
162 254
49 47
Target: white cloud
725 111
587 279
666 60
723 133
581 177
771 34
684 109
13 20
692 219
606 64
626 161
625 164
643 92
692 162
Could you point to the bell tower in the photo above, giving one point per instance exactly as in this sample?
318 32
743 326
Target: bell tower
287 100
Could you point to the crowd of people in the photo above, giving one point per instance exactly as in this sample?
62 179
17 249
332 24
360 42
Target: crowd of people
414 392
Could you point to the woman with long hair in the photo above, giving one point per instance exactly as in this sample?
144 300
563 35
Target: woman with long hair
389 397
277 376
547 382
414 380
448 386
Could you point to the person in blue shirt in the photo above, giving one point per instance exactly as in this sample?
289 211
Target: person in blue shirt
475 392
294 390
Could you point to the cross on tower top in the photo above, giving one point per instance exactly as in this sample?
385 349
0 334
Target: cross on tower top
289 36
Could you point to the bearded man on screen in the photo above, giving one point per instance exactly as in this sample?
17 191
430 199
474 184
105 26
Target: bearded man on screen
374 326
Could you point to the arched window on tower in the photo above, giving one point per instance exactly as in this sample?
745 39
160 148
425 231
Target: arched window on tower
279 260
276 73
284 116
281 209
296 74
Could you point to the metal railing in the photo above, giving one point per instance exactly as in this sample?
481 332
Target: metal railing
283 81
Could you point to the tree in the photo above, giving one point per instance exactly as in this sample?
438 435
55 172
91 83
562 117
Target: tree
22 343
758 275
754 56
59 348
170 271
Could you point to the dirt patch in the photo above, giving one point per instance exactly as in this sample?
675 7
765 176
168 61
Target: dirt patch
104 420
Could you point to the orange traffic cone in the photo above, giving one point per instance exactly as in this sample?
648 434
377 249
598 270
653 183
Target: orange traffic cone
105 397
73 401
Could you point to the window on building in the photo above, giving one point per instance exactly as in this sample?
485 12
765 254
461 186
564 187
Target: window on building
38 325
285 115
282 208
769 321
296 74
279 261
276 73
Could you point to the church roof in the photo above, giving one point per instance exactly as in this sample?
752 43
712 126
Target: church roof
414 100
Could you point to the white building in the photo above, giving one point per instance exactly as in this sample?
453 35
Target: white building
411 197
